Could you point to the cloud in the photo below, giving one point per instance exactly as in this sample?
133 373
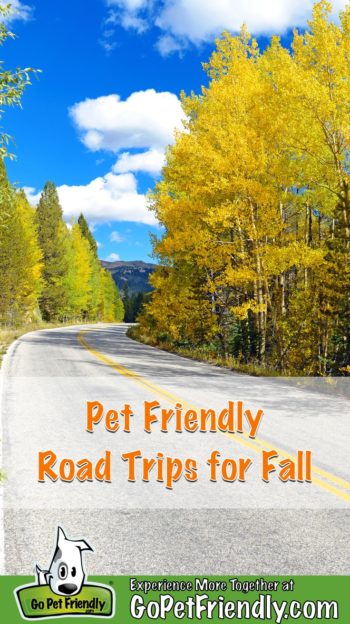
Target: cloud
151 162
115 237
108 45
113 257
105 199
132 22
32 194
145 123
167 44
19 11
125 13
146 119
128 5
196 21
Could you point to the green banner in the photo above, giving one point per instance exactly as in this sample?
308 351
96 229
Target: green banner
181 599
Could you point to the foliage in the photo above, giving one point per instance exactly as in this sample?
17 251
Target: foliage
133 303
255 259
47 270
12 83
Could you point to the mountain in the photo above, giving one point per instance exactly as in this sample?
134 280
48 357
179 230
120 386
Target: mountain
135 273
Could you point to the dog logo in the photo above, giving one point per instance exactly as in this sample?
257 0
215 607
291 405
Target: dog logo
66 573
61 591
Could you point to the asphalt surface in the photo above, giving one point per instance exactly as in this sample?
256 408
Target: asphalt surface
143 528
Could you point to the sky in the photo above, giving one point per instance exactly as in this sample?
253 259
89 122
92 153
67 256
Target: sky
97 119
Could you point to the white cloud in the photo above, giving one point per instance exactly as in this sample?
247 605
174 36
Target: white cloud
109 198
115 237
132 22
200 20
128 5
196 21
108 45
19 11
32 195
167 44
151 162
146 119
113 257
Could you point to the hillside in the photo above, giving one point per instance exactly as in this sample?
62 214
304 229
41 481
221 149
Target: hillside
135 273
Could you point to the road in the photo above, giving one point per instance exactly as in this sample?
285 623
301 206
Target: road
249 527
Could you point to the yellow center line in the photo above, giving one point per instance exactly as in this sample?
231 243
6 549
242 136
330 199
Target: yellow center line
330 481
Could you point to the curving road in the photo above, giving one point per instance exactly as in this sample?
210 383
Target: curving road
145 528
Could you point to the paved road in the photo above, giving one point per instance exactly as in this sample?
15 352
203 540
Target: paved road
144 528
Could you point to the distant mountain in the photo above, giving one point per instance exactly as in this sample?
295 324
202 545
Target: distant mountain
135 273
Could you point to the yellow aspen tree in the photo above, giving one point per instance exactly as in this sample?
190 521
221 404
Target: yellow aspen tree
29 276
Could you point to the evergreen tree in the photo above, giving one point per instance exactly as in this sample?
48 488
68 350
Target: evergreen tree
53 240
85 230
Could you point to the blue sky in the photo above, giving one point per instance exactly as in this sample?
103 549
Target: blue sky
97 120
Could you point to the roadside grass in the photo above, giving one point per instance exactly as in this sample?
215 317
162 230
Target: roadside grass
9 334
202 354
331 386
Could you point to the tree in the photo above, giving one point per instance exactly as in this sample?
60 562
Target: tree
30 271
78 279
12 83
112 305
9 248
255 204
20 256
85 230
53 240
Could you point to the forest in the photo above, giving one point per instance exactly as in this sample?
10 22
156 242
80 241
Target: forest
49 271
254 263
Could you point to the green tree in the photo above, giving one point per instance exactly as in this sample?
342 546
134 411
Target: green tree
53 240
86 232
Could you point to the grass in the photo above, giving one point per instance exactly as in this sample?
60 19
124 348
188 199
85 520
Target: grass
203 354
331 386
10 333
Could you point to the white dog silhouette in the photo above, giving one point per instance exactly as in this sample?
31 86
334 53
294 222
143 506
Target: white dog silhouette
66 573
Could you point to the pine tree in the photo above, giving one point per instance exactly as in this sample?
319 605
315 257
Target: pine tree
85 230
53 240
